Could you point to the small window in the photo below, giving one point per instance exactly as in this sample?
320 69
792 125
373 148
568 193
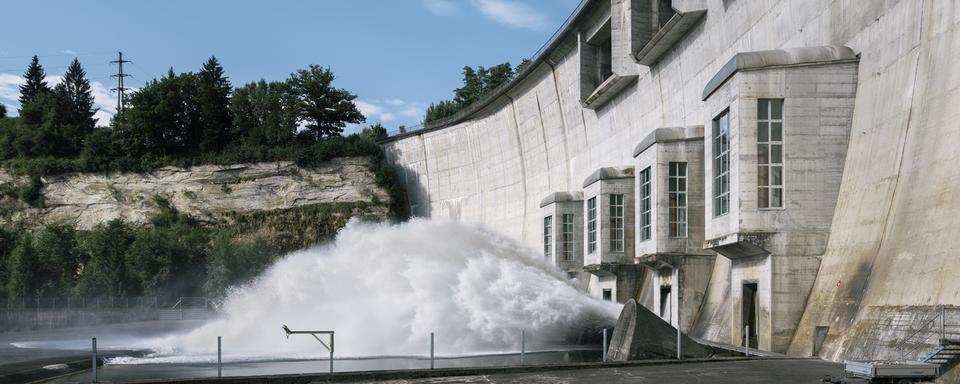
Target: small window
645 221
571 275
605 55
663 13
677 199
721 164
616 223
770 153
566 236
608 294
592 225
548 236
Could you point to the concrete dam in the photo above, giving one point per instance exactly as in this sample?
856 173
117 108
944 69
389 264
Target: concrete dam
778 171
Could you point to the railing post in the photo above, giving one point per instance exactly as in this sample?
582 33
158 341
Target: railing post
431 350
219 357
679 347
331 353
747 345
523 345
94 347
604 345
943 324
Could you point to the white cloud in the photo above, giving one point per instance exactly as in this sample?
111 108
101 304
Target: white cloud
390 112
69 52
511 13
440 7
10 87
368 109
103 98
413 112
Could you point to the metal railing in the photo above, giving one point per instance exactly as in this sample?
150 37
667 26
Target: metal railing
931 333
56 312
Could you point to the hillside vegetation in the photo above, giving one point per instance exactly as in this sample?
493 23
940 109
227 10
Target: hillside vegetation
181 119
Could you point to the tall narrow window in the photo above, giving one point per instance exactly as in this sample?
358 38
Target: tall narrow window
548 236
566 236
677 199
616 223
721 164
770 153
592 225
645 204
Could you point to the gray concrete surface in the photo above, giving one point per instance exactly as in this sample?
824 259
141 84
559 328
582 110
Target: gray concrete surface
890 252
733 372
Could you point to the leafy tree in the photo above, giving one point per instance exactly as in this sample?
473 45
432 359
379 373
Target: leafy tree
43 263
213 106
3 111
230 263
375 131
35 83
440 110
162 118
168 257
265 113
105 273
477 83
325 110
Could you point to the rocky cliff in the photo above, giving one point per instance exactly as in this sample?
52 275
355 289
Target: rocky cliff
278 195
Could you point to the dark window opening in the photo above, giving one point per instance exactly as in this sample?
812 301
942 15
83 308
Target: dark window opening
662 14
605 54
608 294
665 302
750 314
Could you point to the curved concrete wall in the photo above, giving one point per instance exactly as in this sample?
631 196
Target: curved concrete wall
894 230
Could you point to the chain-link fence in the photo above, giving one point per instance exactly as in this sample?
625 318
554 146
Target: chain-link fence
47 313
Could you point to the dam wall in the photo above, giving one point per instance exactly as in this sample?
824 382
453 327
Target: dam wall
889 257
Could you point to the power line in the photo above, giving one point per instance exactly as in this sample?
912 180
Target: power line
120 75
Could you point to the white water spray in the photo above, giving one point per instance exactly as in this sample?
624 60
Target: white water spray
384 288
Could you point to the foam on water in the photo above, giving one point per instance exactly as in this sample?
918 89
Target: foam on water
383 288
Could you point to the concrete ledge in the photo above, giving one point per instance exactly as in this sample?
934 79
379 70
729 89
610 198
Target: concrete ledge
609 173
559 197
667 135
607 90
743 61
365 376
666 37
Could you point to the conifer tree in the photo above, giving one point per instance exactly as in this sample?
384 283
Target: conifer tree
3 111
75 88
213 106
35 84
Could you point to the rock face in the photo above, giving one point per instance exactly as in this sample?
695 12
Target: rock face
208 193
640 334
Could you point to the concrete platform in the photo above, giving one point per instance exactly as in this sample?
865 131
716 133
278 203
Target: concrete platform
717 372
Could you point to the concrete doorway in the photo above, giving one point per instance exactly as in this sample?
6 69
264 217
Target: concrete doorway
665 308
750 314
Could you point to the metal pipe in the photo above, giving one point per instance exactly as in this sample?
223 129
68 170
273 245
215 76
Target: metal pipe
331 353
747 333
604 345
431 350
94 345
679 354
219 359
943 324
523 345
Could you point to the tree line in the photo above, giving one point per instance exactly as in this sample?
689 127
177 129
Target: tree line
178 119
477 83
181 119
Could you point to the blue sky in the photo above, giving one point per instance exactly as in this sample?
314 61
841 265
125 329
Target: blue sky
396 55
